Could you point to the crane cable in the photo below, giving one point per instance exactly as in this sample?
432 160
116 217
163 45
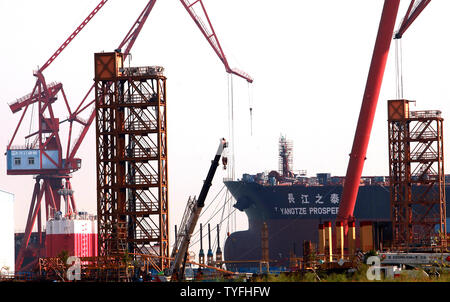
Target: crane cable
231 171
399 68
231 226
214 211
250 105
195 233
227 202
227 198
210 203
31 125
198 240
238 189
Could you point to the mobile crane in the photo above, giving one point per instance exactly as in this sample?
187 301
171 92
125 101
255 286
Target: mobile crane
190 218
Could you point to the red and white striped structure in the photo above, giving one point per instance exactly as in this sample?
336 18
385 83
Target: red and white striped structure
77 236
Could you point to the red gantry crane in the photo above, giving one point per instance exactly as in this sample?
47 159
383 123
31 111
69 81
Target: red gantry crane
370 98
43 155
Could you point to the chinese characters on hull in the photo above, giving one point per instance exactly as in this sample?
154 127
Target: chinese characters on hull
318 199
310 205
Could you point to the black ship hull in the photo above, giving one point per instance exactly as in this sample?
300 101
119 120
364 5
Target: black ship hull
293 214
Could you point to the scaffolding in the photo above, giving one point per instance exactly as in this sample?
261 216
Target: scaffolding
285 157
132 182
417 180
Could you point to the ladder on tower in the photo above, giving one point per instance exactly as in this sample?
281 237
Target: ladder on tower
116 254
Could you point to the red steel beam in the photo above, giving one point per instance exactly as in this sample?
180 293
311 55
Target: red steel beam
411 15
73 35
368 108
210 35
133 33
54 90
32 214
128 41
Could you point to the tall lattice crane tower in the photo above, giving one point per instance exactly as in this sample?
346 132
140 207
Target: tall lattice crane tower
132 182
417 180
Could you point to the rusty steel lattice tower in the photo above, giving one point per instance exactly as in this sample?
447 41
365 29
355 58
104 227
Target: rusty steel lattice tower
417 180
132 182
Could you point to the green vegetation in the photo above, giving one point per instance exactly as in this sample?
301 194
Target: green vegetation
63 255
126 258
359 275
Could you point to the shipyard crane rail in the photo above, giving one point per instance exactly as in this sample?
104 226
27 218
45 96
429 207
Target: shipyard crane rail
190 217
370 99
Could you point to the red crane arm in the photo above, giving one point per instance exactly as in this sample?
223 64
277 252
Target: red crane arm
372 91
411 14
53 89
72 36
134 31
368 108
127 42
210 35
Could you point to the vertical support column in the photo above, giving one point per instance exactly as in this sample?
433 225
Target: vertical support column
442 197
366 241
34 208
201 254
400 171
209 256
107 206
328 241
307 254
321 245
340 239
218 251
351 239
163 170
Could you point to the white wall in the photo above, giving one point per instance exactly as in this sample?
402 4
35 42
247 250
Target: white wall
7 261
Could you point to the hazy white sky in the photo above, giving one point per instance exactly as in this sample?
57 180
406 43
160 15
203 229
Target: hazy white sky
309 60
